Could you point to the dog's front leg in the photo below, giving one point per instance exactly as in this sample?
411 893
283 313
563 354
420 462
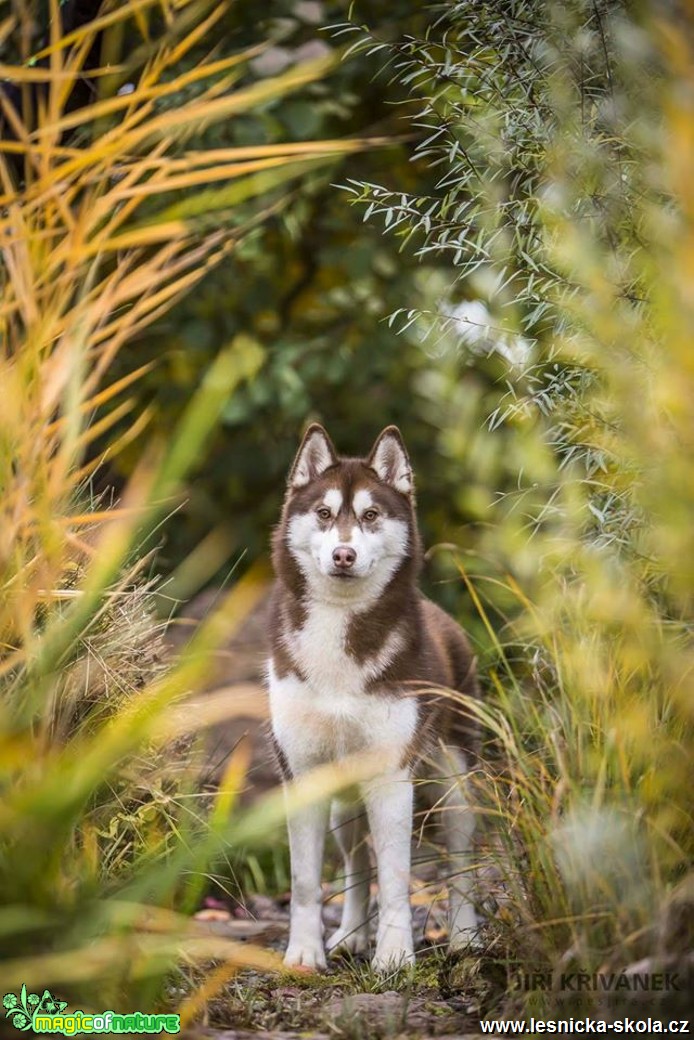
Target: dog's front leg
306 840
388 803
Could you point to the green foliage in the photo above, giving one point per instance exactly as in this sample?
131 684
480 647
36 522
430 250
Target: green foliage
553 131
312 288
541 176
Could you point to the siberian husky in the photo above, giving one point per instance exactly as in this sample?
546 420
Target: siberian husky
353 640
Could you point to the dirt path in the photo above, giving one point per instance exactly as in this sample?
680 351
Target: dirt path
442 998
334 1007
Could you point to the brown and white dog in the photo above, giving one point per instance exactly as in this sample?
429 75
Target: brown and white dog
354 640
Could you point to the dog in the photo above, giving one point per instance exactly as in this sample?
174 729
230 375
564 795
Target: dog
358 657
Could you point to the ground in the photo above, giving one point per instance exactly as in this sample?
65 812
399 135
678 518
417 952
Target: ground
442 997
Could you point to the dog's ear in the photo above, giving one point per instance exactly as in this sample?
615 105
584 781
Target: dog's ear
315 455
390 460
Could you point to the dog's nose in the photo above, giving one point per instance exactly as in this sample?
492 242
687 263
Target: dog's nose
344 556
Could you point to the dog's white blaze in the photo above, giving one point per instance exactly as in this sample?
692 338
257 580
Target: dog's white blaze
333 500
362 501
379 554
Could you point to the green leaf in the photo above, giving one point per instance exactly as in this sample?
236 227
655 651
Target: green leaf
240 190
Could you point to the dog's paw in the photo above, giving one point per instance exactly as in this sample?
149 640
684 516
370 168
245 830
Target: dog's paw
463 928
354 940
465 939
389 958
305 954
394 945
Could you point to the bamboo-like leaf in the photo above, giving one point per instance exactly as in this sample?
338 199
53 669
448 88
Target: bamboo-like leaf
243 188
198 114
109 392
146 235
37 74
192 160
231 366
180 181
99 427
110 106
7 26
96 25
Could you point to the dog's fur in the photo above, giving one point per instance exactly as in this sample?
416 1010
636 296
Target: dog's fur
353 644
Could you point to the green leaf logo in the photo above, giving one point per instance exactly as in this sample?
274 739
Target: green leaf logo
20 1009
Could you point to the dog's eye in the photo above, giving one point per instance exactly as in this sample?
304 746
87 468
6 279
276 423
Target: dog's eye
369 515
324 513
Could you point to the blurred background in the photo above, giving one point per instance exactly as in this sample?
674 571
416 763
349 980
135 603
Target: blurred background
311 289
220 223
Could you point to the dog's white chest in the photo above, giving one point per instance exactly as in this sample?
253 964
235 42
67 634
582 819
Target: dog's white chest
319 649
331 713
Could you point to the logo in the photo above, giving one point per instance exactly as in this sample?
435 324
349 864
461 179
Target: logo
47 1014
21 1009
601 982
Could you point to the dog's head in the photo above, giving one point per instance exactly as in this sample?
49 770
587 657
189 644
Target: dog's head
348 525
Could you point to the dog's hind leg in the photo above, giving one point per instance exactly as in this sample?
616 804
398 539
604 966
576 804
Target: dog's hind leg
458 825
349 825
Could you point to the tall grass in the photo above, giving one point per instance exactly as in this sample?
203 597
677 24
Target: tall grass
103 837
562 133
